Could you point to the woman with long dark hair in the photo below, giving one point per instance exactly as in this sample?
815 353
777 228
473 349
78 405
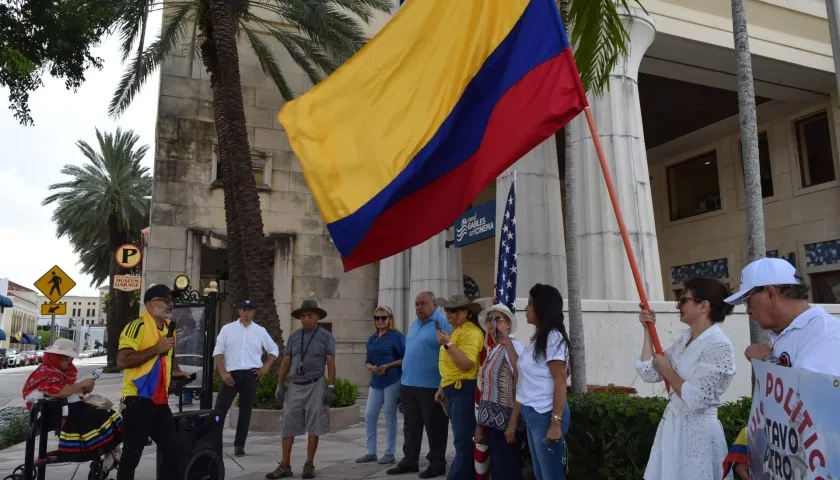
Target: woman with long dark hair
541 387
699 366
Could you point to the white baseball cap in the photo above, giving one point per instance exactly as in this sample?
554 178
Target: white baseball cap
763 272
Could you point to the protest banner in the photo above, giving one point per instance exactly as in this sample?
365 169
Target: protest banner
794 426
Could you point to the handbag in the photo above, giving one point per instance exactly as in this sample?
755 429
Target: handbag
497 416
98 401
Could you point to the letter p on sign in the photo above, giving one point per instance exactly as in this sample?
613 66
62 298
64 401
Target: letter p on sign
128 255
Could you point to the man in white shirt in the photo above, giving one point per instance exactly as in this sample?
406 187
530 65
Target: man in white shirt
804 336
238 356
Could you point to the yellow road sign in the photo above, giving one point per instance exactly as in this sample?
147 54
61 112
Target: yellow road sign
54 309
55 284
128 255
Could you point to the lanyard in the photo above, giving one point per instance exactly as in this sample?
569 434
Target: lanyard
304 350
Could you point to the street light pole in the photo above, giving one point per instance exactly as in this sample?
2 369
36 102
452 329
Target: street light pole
833 13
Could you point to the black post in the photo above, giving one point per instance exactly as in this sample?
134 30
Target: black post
211 300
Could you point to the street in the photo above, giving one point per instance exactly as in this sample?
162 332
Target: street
12 379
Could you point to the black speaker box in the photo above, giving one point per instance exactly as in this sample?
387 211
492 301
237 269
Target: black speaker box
200 442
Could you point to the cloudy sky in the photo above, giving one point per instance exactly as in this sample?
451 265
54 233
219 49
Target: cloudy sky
31 159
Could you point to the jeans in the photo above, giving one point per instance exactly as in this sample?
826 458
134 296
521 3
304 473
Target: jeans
142 419
421 410
504 457
549 460
245 384
377 397
461 405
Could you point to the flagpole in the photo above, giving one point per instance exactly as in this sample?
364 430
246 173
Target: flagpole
628 247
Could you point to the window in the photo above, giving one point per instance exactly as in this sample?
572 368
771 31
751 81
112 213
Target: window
326 326
816 158
825 287
765 170
693 186
261 168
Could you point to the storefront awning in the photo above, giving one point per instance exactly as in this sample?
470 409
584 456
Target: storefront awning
2 334
6 302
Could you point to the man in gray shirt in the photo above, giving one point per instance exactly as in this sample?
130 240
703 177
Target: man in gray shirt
306 408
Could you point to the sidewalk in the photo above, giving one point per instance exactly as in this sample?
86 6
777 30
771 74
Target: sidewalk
335 459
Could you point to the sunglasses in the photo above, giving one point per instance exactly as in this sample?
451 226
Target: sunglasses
493 319
452 311
380 318
683 300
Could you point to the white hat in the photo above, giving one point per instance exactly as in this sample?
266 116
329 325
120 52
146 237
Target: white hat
65 347
501 308
763 272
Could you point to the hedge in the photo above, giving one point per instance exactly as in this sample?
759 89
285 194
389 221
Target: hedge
346 392
611 434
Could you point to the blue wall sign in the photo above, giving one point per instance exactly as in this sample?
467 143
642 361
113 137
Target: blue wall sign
476 224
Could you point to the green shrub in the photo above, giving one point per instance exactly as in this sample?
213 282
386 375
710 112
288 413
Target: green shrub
14 432
346 393
611 434
217 381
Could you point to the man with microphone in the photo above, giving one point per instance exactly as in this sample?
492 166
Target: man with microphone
146 359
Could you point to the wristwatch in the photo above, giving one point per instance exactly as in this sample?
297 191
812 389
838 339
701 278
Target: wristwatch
447 345
556 417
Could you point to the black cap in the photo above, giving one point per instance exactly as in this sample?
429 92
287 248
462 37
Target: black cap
156 291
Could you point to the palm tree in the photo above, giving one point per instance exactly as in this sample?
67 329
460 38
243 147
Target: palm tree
319 35
600 38
749 149
104 204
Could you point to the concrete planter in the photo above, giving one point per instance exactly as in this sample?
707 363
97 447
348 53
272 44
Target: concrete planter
269 421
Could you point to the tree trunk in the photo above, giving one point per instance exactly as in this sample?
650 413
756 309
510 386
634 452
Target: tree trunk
749 149
252 275
576 337
118 308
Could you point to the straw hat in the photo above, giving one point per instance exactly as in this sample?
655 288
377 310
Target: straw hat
458 301
65 347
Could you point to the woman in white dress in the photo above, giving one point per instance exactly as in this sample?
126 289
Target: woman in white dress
690 444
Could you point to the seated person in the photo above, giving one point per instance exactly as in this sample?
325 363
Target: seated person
87 433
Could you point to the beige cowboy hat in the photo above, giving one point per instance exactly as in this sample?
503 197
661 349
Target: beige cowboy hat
310 306
458 301
65 347
503 309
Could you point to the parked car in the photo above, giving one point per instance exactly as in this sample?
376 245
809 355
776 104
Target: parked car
40 355
13 358
3 358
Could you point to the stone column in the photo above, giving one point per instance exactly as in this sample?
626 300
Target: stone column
540 243
393 287
605 270
435 268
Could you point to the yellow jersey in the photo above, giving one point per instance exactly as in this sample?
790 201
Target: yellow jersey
151 379
469 339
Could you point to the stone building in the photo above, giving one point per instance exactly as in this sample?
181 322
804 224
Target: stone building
670 129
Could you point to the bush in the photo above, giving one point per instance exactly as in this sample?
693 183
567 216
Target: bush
611 434
14 432
346 393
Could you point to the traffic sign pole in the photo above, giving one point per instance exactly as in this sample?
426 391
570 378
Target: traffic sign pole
52 331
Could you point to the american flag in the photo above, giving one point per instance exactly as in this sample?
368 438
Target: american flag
506 275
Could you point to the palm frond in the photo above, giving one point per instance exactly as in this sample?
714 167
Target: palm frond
268 62
600 39
146 62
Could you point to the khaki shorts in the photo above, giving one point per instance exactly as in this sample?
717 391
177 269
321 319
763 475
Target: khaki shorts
304 410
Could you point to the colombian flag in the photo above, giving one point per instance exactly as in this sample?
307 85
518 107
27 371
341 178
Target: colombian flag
738 453
397 143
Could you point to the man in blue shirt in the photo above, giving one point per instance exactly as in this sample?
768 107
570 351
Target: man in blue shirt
420 381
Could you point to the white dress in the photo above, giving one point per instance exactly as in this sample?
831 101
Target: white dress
690 444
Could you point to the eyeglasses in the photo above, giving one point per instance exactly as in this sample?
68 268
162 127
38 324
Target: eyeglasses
746 300
379 318
682 301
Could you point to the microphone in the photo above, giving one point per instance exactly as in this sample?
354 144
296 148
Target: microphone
171 329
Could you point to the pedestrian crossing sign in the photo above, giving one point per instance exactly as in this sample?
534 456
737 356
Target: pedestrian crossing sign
55 284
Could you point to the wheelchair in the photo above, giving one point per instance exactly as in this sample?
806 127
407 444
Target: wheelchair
45 417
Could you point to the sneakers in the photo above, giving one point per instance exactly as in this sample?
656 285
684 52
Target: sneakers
386 460
282 471
366 458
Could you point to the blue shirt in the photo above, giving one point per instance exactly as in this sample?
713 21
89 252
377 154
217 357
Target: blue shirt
385 349
420 364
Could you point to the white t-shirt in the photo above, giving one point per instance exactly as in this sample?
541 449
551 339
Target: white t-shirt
535 387
810 342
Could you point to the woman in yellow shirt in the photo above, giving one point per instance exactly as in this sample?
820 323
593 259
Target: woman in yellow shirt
458 363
